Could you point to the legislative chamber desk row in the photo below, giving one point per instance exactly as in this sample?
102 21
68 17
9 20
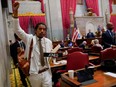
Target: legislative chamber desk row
78 41
102 80
55 67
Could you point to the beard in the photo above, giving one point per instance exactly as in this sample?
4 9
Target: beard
41 35
111 29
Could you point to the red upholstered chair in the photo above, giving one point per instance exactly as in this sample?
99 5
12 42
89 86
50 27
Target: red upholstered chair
71 50
95 50
109 53
75 61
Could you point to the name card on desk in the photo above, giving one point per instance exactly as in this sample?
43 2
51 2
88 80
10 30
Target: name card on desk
53 54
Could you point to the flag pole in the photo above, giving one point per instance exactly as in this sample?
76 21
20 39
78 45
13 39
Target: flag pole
106 16
71 13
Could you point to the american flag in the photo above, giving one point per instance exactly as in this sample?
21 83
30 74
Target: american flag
76 33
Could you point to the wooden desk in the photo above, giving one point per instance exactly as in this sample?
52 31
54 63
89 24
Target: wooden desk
102 80
56 67
93 57
94 60
62 65
64 48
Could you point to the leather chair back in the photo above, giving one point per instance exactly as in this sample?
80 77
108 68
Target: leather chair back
77 60
108 53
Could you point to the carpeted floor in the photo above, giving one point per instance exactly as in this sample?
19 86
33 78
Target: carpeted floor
15 78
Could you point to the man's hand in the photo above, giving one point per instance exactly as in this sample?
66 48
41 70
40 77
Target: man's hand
15 9
15 6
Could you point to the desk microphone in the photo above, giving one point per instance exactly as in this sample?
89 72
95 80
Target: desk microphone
53 54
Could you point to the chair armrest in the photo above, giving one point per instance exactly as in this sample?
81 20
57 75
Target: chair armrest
61 71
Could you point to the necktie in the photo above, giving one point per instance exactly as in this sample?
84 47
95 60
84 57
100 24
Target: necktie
112 33
41 53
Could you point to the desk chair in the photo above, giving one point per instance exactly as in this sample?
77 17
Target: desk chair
108 59
95 50
75 61
71 50
108 53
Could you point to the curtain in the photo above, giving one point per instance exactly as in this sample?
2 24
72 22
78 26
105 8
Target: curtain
13 1
37 19
24 22
94 5
110 5
65 8
113 20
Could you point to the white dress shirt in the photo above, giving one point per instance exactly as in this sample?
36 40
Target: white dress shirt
26 38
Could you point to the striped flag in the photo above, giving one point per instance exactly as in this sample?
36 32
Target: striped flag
76 33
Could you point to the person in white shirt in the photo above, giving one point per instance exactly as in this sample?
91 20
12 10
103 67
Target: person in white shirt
40 74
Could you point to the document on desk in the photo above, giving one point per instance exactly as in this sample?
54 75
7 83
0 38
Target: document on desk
56 49
110 74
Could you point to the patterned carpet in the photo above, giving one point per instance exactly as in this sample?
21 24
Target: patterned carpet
15 78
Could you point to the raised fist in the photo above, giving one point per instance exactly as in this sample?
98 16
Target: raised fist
15 6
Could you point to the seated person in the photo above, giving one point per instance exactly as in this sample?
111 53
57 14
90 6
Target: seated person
70 43
96 43
68 37
91 44
90 34
98 32
83 45
90 12
62 44
103 30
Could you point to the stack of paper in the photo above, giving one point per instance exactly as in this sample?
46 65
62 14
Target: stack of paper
110 74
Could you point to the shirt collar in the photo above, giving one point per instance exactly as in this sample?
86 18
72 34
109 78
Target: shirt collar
38 38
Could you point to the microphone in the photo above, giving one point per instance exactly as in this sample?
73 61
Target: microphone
53 54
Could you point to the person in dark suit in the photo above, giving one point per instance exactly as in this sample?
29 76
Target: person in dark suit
108 37
83 45
13 52
90 34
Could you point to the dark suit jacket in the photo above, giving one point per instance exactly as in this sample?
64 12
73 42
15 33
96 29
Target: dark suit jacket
13 51
82 46
108 39
90 35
